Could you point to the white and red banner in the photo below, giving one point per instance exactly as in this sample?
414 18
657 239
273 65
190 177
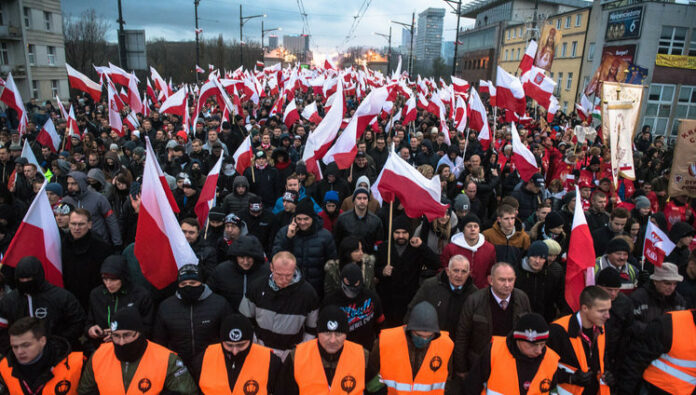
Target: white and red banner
175 104
538 86
478 119
528 59
206 199
657 245
11 97
581 256
134 101
243 155
114 114
82 83
509 92
460 86
522 157
311 113
320 140
291 115
48 136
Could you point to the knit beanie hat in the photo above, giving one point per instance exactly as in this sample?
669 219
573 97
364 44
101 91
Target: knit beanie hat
352 273
553 246
236 328
423 317
55 188
462 202
471 217
618 244
359 191
538 248
127 319
331 196
531 328
609 277
216 214
553 220
306 207
642 202
332 319
401 222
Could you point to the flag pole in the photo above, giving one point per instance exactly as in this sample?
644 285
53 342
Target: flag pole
495 121
391 210
253 164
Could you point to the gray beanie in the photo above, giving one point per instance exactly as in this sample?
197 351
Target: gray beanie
642 202
462 203
423 318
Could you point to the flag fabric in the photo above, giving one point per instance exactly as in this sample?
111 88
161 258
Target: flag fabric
243 155
328 65
460 116
291 115
528 59
311 113
581 256
319 141
523 158
206 199
259 64
134 101
114 115
151 92
584 108
82 83
460 86
410 110
160 245
132 121
538 86
478 119
175 104
63 113
657 245
419 195
554 106
493 94
28 154
118 75
72 128
199 69
38 235
11 97
48 136
510 93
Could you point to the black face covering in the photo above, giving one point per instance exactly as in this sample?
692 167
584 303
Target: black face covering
190 294
132 351
27 287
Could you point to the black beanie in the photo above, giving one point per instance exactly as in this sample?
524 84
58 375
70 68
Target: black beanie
401 222
531 328
236 328
128 319
609 277
538 248
332 319
618 244
359 191
306 207
216 214
188 272
352 273
470 218
553 220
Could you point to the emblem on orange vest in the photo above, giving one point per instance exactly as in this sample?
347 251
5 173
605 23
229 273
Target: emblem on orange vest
144 385
435 363
545 385
348 384
251 387
62 387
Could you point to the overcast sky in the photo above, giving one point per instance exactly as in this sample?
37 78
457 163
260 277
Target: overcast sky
329 20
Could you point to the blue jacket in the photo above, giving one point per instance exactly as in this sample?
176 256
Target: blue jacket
303 194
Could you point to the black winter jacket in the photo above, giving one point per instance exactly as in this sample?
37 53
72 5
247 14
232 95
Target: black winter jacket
368 229
545 288
648 304
82 260
206 254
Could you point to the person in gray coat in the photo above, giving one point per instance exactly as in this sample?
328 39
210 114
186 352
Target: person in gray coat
104 222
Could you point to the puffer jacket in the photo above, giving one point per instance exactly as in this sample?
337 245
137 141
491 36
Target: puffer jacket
511 249
544 288
230 280
234 203
187 329
528 200
104 222
311 248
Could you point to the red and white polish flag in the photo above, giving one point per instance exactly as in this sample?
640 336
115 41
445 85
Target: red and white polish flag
510 93
460 86
522 157
48 136
657 245
38 236
160 245
538 86
242 156
410 110
320 140
11 97
114 115
478 119
206 200
581 257
291 115
82 83
311 113
199 69
528 58
134 101
175 104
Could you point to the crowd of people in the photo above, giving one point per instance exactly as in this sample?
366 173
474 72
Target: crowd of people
310 286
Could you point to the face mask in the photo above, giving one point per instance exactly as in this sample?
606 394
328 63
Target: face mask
132 351
418 341
27 287
228 171
349 290
190 294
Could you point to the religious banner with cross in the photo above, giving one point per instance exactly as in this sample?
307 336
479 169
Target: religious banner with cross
682 178
620 112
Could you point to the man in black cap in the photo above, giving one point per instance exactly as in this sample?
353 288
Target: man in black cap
204 250
399 277
329 361
265 181
362 306
359 168
542 282
523 350
359 222
260 223
616 257
195 306
529 195
285 217
216 225
234 227
236 364
620 319
145 366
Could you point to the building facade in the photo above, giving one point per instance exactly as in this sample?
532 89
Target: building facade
428 39
32 48
659 36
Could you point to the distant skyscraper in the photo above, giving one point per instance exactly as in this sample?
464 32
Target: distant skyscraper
405 37
272 42
428 40
447 52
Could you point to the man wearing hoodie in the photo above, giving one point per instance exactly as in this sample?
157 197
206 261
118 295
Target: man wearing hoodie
238 200
189 321
244 265
372 204
543 283
97 182
472 245
507 235
234 227
104 222
204 250
332 182
59 309
284 294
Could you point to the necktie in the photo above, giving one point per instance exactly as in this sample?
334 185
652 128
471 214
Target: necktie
503 304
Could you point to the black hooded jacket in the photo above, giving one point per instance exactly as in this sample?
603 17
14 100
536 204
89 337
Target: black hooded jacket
82 258
60 310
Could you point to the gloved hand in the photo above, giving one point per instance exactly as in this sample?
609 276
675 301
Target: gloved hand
581 378
609 379
643 278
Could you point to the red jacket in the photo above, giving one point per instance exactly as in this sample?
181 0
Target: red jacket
481 257
328 221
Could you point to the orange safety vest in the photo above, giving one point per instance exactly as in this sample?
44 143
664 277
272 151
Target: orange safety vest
252 379
675 371
66 376
395 367
349 377
148 378
576 342
504 379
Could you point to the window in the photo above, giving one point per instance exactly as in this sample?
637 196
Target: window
519 32
4 54
506 55
686 105
518 54
508 34
564 50
574 49
672 40
48 20
35 89
585 81
2 16
558 83
52 56
565 107
660 98
578 19
27 17
567 24
692 45
558 24
54 88
590 52
569 81
31 54
551 75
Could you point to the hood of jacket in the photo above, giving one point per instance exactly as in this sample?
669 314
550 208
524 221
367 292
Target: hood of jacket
362 179
206 293
117 265
460 241
240 181
98 175
296 278
247 245
30 267
81 180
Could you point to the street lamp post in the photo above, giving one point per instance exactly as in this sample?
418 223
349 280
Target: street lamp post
264 31
411 31
456 34
242 21
195 9
389 52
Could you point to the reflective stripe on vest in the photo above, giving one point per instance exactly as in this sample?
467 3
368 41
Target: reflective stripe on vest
65 379
253 375
397 374
349 377
579 351
149 375
675 371
503 378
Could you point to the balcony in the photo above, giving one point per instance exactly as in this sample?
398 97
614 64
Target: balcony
10 32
